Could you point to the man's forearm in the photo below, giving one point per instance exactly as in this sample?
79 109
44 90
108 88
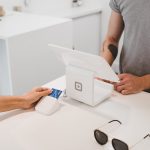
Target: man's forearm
105 52
115 29
146 82
11 102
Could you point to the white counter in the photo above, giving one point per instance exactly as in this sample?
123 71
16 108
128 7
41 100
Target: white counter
76 12
132 110
70 12
19 23
72 126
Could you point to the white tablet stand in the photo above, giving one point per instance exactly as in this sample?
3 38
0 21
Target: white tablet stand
81 72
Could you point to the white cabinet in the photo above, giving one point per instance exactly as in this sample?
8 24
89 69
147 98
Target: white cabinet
25 58
4 69
86 24
87 33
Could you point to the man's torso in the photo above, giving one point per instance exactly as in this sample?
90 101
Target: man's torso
135 56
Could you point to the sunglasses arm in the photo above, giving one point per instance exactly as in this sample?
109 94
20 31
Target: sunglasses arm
145 137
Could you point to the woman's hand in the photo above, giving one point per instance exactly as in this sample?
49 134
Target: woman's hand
32 97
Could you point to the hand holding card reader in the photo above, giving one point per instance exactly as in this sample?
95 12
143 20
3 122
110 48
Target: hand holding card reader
49 104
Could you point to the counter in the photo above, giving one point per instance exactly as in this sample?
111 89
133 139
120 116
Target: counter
69 12
20 23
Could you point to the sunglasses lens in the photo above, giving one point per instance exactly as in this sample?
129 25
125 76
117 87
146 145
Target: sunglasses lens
119 145
100 137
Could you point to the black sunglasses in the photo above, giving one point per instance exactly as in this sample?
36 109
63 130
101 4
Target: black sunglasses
117 144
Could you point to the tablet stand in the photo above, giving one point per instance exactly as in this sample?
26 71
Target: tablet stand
81 85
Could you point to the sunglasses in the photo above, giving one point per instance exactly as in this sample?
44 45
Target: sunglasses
117 144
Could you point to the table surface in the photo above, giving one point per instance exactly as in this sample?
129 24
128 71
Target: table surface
72 126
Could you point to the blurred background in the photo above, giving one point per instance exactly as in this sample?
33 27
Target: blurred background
26 28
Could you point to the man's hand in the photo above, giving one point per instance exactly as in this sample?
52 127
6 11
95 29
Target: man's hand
129 84
34 96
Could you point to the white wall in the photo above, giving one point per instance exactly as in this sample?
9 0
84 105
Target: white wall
8 4
50 4
37 4
60 4
44 5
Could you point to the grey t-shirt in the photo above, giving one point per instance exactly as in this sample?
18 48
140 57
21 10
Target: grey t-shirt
135 55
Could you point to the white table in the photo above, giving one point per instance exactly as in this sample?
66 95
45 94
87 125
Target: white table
71 128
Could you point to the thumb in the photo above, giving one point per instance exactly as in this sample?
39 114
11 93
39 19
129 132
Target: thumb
122 76
45 92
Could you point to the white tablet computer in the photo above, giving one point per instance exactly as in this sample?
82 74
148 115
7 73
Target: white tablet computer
84 60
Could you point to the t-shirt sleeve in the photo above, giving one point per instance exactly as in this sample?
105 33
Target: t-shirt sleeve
114 6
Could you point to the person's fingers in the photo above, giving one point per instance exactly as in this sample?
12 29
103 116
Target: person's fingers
36 89
123 87
45 92
125 92
122 76
107 81
98 78
40 89
115 86
44 88
122 82
120 88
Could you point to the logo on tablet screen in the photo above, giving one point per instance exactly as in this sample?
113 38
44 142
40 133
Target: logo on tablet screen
78 86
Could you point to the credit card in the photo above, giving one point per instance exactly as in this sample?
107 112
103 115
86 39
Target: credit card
55 93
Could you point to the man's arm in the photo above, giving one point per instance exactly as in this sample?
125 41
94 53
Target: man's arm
128 83
146 82
22 102
115 29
